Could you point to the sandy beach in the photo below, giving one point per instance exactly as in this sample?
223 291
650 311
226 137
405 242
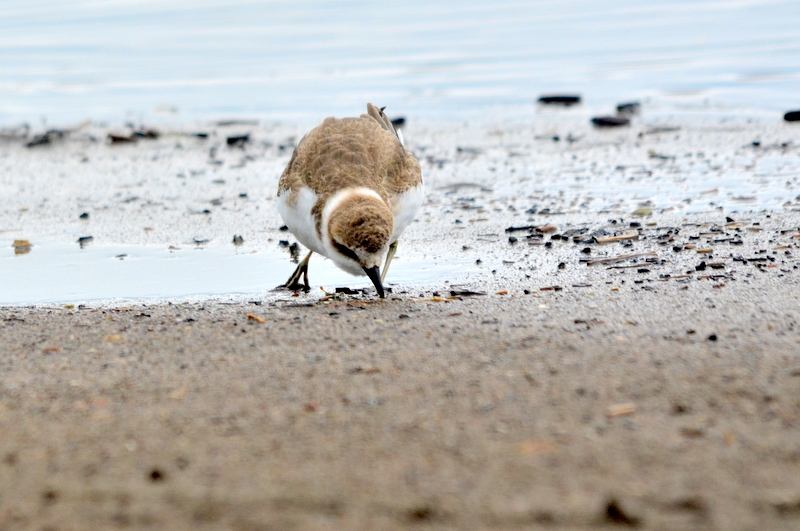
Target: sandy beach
594 329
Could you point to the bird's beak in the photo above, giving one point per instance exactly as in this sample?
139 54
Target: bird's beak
374 274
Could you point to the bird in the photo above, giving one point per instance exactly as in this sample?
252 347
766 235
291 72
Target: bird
348 192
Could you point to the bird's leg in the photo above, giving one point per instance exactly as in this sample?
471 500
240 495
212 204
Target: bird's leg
389 256
302 271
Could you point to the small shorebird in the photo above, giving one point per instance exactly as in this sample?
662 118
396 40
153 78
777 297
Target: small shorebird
349 191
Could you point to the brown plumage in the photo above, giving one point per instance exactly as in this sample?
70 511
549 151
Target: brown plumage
359 169
348 152
362 223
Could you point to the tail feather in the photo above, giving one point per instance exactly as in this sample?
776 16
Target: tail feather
377 114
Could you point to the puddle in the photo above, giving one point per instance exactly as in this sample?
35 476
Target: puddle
58 272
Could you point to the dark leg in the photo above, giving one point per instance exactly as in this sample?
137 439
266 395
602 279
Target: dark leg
302 271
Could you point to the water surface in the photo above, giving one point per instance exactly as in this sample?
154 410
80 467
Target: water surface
55 272
432 59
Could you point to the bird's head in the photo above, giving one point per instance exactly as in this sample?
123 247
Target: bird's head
359 225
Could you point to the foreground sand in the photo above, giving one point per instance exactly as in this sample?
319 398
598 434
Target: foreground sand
659 391
484 412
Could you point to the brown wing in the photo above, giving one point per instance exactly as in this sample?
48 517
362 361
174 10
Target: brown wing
362 151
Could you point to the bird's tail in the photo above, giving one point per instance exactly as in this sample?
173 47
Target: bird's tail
377 114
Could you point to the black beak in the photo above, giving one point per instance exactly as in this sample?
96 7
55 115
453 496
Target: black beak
374 274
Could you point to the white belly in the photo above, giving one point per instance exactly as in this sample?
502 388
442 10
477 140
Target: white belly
297 216
404 208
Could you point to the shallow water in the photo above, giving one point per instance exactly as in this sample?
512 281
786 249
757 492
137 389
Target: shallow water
54 272
158 60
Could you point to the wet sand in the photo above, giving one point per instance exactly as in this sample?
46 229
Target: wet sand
659 391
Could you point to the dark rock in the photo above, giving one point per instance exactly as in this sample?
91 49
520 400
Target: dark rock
294 252
631 107
146 133
465 293
347 291
560 99
522 228
120 139
238 141
792 116
45 138
610 121
616 514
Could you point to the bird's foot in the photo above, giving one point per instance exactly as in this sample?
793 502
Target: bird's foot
293 284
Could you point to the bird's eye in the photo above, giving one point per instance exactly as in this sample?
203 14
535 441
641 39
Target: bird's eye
345 251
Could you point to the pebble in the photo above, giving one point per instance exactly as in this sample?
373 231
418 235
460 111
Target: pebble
560 99
792 116
610 121
632 107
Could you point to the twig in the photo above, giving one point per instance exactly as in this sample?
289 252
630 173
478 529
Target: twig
620 258
633 236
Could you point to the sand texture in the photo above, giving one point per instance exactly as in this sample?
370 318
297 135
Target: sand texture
621 357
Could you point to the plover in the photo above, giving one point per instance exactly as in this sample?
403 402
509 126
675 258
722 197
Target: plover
348 193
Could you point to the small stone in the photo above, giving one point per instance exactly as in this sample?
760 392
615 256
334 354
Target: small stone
621 410
629 108
238 141
792 116
610 121
560 99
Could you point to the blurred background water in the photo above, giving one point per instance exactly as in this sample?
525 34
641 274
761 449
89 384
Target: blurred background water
115 60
